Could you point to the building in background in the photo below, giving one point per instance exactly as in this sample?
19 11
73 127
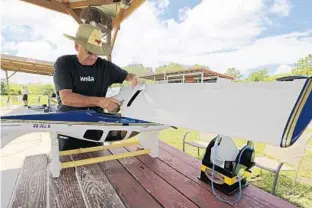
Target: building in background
187 76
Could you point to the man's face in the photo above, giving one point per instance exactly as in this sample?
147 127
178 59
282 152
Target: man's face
85 57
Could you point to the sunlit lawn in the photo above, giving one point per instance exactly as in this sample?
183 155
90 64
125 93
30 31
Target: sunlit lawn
17 100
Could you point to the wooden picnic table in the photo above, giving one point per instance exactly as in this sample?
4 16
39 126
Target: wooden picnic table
171 180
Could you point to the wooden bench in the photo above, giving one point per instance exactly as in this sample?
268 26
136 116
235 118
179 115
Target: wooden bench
171 180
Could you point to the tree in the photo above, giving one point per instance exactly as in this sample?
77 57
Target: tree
171 67
233 73
138 69
198 66
304 66
48 89
4 90
258 76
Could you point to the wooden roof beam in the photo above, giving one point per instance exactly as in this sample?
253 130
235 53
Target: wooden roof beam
28 72
73 14
83 4
134 5
118 20
121 16
12 67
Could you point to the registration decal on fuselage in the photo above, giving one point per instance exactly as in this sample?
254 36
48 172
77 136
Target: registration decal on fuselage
42 126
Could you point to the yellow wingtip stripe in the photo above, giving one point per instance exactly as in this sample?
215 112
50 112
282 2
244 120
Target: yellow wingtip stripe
305 97
294 117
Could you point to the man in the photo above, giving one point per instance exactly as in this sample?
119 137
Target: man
82 80
25 95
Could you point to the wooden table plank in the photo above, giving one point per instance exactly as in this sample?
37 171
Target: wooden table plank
185 157
193 191
96 188
129 189
173 157
171 180
194 173
163 192
65 191
257 194
32 183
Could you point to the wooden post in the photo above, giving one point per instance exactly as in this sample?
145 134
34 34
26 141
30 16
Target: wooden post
7 80
109 41
202 77
8 87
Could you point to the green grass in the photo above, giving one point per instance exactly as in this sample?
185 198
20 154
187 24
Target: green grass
17 100
299 195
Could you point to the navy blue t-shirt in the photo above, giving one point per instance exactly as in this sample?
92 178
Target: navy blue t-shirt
91 80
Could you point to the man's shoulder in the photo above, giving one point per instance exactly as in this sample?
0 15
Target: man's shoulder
63 63
106 64
65 58
101 61
103 64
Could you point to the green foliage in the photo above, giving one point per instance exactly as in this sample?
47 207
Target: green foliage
17 100
171 67
274 77
198 66
15 91
33 89
138 69
41 89
233 73
48 89
304 66
257 76
4 89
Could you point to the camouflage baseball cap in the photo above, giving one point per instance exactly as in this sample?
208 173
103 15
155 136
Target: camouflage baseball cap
89 37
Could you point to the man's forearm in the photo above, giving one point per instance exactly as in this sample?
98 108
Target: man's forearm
76 100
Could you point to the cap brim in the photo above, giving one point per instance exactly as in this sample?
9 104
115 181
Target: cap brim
69 37
101 51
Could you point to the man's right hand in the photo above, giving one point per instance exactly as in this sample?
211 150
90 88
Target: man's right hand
109 104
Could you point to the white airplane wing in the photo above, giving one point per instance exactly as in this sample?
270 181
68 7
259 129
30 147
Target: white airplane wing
269 112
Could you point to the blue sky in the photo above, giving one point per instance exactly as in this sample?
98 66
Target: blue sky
247 35
172 11
299 19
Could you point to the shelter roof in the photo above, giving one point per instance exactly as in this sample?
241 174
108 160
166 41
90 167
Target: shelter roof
26 65
119 10
189 72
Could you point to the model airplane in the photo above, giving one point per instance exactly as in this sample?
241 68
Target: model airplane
269 112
